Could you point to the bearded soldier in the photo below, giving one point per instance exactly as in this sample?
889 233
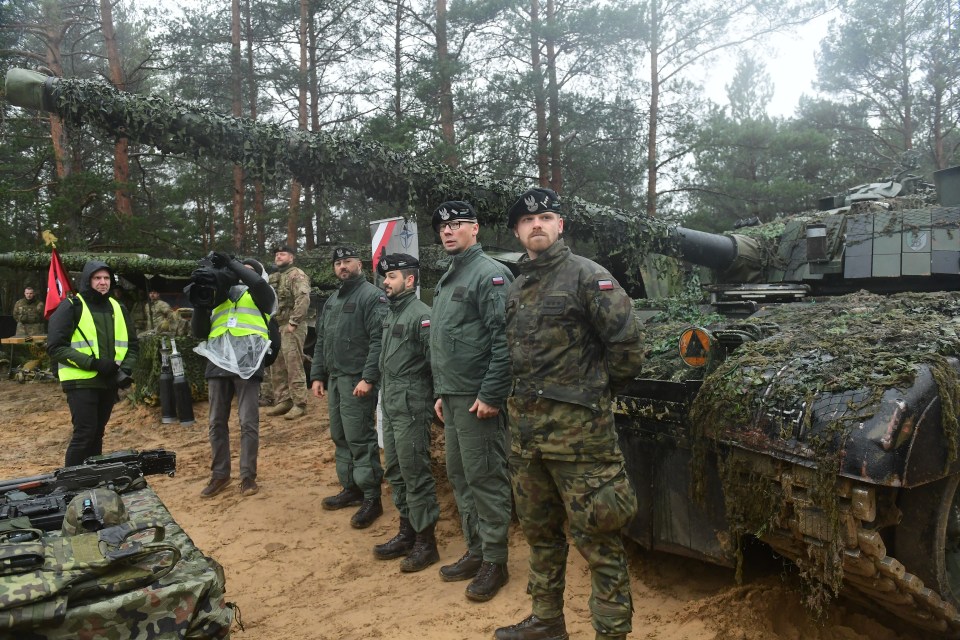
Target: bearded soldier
572 334
287 377
28 312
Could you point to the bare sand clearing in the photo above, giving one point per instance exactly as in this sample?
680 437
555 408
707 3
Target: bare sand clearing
300 573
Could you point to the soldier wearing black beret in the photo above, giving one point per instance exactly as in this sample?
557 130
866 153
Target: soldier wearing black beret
471 378
572 334
343 253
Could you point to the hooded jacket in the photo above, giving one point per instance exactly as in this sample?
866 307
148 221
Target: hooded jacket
64 321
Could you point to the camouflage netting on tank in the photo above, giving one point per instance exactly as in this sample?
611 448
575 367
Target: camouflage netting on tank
852 347
273 152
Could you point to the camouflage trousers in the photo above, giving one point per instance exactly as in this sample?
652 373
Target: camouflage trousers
287 374
354 432
477 468
407 416
31 329
596 499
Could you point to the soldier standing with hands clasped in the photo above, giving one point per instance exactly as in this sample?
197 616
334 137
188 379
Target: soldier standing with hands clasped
572 335
293 300
407 415
346 369
471 377
28 312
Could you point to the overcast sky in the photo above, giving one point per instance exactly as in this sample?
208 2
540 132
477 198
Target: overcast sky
790 64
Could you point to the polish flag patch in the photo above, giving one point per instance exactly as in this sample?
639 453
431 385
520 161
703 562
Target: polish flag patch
497 280
424 323
605 285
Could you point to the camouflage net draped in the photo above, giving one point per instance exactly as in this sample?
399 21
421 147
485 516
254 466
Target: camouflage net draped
847 349
272 152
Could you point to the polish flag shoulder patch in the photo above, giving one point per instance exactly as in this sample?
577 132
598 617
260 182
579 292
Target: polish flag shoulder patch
604 285
425 323
497 280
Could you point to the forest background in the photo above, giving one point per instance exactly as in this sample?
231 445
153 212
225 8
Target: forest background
595 99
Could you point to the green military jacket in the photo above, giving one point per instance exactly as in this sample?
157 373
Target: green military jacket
468 345
27 311
572 333
405 356
293 295
350 332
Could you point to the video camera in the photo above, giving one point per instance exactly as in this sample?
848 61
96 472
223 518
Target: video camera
210 282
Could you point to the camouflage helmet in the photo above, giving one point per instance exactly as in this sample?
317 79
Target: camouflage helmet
92 510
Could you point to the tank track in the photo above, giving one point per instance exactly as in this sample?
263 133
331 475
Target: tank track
871 576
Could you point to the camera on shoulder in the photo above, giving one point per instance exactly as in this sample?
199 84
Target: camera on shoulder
210 282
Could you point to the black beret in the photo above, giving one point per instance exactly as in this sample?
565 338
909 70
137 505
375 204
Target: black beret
341 253
453 210
286 248
536 200
394 261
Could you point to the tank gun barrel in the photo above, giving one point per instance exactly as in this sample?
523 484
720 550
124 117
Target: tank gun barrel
272 152
711 250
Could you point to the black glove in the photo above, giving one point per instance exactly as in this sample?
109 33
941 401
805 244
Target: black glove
105 367
123 379
219 260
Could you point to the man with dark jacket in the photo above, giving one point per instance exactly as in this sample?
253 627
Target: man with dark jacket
236 339
346 370
92 339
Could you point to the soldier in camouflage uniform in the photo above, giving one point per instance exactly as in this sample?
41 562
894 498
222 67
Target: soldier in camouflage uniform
287 378
28 312
471 377
346 367
407 415
572 335
156 315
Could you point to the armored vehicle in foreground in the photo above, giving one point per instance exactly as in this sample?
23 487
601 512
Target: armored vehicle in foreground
818 407
813 403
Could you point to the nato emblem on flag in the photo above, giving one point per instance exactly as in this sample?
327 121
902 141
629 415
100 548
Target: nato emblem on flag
605 285
497 280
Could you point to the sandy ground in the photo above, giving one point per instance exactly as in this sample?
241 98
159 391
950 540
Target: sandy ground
297 572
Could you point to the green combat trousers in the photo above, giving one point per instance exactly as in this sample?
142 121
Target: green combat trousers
407 415
597 500
353 431
477 469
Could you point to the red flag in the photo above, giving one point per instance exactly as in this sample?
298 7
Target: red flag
58 285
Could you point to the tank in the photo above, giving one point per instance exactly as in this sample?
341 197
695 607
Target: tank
810 401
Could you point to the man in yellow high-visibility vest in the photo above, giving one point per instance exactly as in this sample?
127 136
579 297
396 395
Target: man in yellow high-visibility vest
92 339
236 339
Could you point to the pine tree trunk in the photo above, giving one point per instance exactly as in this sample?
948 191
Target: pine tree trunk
539 97
444 69
239 224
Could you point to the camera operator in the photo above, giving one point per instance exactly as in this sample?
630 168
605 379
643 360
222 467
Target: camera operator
232 306
93 342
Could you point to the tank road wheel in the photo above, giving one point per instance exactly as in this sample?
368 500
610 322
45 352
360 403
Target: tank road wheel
928 536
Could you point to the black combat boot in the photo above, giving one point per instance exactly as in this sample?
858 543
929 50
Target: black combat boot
398 545
533 628
489 579
369 510
424 552
463 569
346 498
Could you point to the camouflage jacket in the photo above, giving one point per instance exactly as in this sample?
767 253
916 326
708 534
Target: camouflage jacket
468 346
27 311
350 332
571 329
293 294
157 316
405 356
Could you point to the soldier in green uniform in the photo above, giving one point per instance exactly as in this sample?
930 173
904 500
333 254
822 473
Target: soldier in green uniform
346 368
471 379
407 414
288 381
572 335
156 315
28 312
